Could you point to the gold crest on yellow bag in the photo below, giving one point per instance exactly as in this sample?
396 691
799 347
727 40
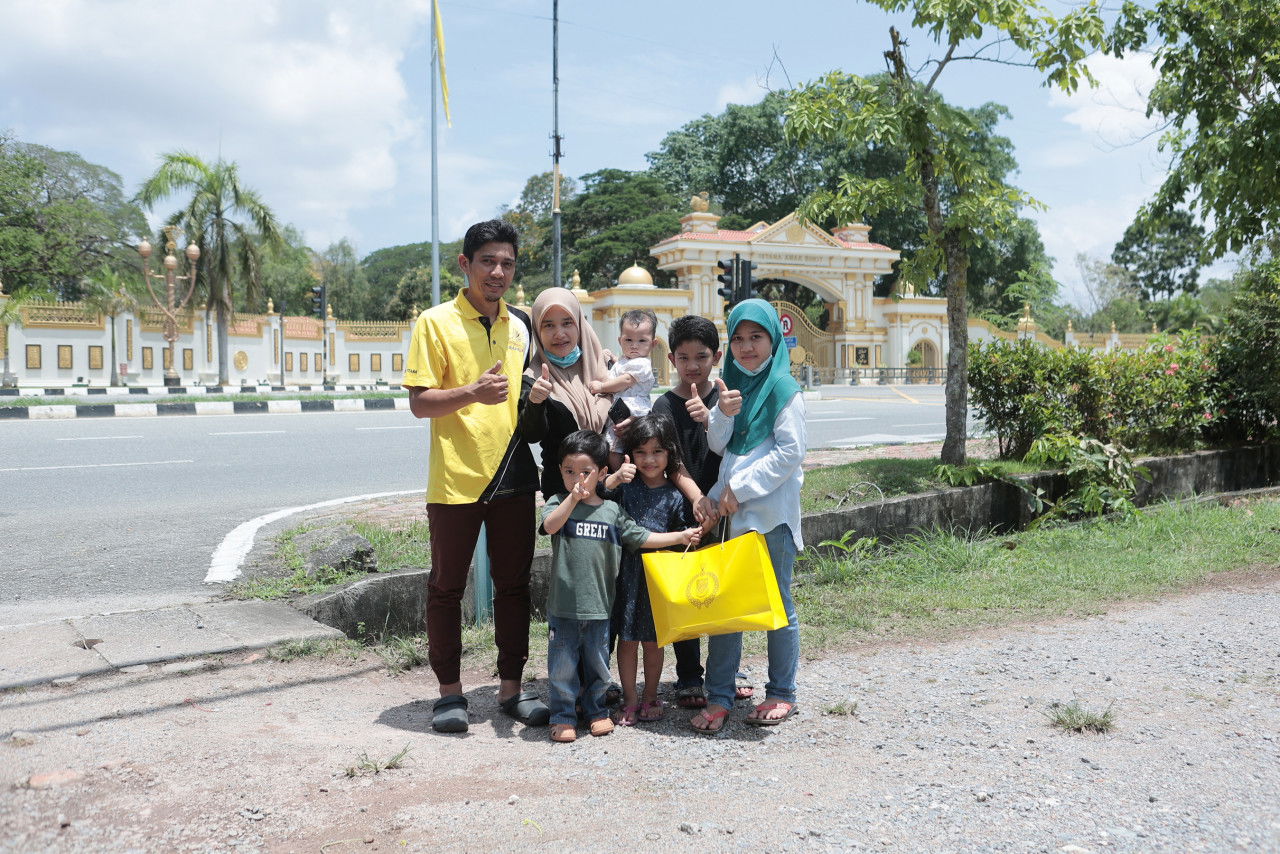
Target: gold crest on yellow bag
721 588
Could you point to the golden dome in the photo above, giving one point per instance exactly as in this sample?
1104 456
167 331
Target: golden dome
635 275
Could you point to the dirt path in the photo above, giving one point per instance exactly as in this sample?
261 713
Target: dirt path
948 749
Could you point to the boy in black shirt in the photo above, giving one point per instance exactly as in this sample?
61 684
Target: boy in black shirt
695 352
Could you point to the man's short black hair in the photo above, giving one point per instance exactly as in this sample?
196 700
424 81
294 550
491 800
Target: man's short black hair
490 231
586 442
693 327
638 317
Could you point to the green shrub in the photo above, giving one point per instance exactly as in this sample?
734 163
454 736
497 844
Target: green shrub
1247 385
1157 399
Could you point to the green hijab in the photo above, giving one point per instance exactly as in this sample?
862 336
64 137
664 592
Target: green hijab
768 392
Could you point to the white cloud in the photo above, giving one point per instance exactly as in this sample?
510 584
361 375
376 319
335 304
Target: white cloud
1091 227
748 90
309 101
1114 112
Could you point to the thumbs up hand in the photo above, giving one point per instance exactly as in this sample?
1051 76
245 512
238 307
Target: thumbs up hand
541 387
491 388
626 471
730 398
697 409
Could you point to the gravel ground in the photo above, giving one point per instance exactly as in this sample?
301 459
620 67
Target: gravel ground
949 749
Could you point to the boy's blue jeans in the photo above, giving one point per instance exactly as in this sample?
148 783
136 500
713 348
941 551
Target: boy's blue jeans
570 642
724 652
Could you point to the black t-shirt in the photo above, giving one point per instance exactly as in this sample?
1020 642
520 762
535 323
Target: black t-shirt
547 424
516 473
703 465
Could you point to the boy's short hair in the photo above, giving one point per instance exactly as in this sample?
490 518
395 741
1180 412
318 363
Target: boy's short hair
638 316
586 442
693 327
490 231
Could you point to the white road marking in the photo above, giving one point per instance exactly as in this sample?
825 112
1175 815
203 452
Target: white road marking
99 465
247 433
933 424
401 427
231 552
825 420
94 438
883 439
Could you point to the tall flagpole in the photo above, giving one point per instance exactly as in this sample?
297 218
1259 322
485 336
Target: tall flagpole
435 191
557 278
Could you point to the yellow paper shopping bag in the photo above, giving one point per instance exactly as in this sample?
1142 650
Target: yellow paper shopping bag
721 588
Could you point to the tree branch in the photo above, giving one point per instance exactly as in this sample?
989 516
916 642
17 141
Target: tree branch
942 63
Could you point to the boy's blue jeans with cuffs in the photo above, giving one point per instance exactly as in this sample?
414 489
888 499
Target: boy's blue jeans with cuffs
570 643
724 652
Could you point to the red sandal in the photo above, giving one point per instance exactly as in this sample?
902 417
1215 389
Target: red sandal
709 717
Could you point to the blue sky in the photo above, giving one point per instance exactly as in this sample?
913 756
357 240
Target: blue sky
325 103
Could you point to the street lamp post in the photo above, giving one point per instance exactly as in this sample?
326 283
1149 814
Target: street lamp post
170 305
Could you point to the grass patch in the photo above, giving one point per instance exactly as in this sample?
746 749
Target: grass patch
845 709
318 647
367 765
833 487
398 548
941 581
294 580
72 400
1073 717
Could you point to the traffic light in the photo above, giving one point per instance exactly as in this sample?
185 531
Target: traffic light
729 278
318 301
745 288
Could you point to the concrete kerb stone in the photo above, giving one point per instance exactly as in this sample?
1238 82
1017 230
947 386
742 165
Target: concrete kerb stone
396 602
107 410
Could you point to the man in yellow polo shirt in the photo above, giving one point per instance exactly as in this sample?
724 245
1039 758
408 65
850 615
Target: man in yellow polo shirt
466 364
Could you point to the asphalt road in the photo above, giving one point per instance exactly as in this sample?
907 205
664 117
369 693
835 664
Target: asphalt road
103 515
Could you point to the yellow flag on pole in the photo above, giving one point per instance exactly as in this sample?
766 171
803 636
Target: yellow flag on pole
444 80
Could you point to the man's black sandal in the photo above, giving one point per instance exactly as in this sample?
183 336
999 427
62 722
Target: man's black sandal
450 714
526 708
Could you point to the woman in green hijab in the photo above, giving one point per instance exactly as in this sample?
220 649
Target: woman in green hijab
763 447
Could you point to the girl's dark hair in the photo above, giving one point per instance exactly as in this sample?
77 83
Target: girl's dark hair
586 442
655 425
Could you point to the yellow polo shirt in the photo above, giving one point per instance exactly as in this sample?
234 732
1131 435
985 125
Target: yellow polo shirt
451 348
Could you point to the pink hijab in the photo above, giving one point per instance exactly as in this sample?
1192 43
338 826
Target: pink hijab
569 385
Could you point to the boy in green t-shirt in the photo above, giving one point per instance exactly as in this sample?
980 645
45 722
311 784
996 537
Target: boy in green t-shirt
588 534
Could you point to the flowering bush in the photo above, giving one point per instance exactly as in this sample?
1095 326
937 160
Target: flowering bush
1158 399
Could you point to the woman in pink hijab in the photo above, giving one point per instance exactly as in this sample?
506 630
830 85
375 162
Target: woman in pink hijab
567 357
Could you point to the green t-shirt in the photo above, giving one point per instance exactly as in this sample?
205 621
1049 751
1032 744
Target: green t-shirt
585 556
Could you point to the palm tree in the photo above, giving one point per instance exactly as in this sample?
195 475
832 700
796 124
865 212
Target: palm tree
228 247
10 315
107 293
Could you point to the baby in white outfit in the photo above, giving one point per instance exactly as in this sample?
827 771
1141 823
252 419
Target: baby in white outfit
631 377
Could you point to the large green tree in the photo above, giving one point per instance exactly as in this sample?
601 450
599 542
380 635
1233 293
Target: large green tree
346 285
613 221
286 272
61 217
942 144
1162 251
230 223
753 171
531 216
384 268
1219 67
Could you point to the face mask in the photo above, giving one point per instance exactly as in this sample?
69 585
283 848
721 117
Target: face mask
756 372
564 361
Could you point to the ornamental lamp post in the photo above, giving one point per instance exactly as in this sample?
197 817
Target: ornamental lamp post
170 305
